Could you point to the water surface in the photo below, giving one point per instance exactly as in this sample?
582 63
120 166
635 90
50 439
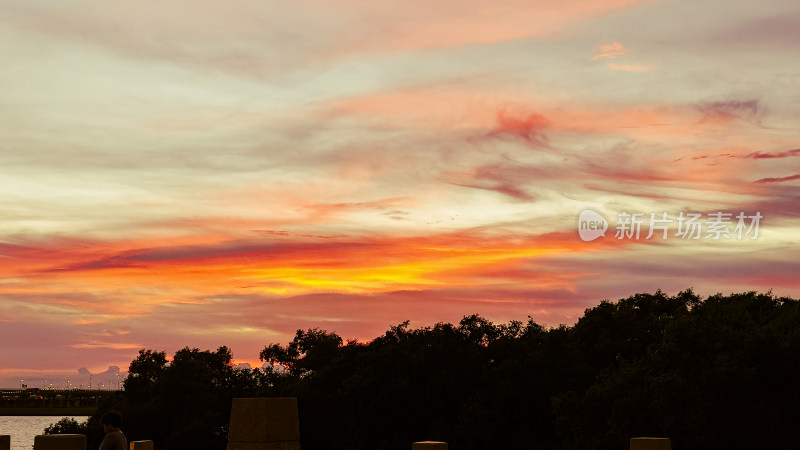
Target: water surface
24 428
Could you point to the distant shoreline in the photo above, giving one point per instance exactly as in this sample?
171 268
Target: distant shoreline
63 412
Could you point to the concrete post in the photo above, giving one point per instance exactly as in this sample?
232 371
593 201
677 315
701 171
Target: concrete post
650 443
59 442
429 445
264 424
141 445
5 442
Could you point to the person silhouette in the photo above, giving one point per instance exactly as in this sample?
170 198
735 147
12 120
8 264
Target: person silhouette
114 440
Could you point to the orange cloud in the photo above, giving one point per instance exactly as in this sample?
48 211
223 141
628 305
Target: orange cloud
636 68
610 50
140 279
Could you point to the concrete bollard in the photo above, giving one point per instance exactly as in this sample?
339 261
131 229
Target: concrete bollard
264 424
5 442
429 445
141 445
59 442
650 443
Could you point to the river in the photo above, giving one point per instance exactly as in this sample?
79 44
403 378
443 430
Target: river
24 428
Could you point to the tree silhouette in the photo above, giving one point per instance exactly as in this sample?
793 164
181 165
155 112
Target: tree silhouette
706 373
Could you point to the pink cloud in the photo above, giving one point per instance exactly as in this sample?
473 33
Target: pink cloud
526 125
750 110
610 50
471 21
779 179
636 68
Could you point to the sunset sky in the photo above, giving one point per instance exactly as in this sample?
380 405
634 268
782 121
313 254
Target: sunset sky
202 173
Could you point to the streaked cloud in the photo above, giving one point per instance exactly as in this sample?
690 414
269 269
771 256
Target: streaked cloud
749 110
779 179
227 176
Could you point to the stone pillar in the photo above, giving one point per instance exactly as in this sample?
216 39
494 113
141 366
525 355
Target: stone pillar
650 443
264 424
5 442
59 442
141 445
429 445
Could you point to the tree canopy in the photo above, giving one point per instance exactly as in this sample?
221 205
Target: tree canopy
711 372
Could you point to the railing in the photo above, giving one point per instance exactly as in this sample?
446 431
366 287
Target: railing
52 398
67 442
269 422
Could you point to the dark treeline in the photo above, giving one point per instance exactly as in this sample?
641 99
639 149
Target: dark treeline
716 373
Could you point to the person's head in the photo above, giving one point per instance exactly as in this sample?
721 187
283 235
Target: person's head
111 421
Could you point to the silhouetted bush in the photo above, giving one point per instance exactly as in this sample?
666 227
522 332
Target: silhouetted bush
66 425
706 373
